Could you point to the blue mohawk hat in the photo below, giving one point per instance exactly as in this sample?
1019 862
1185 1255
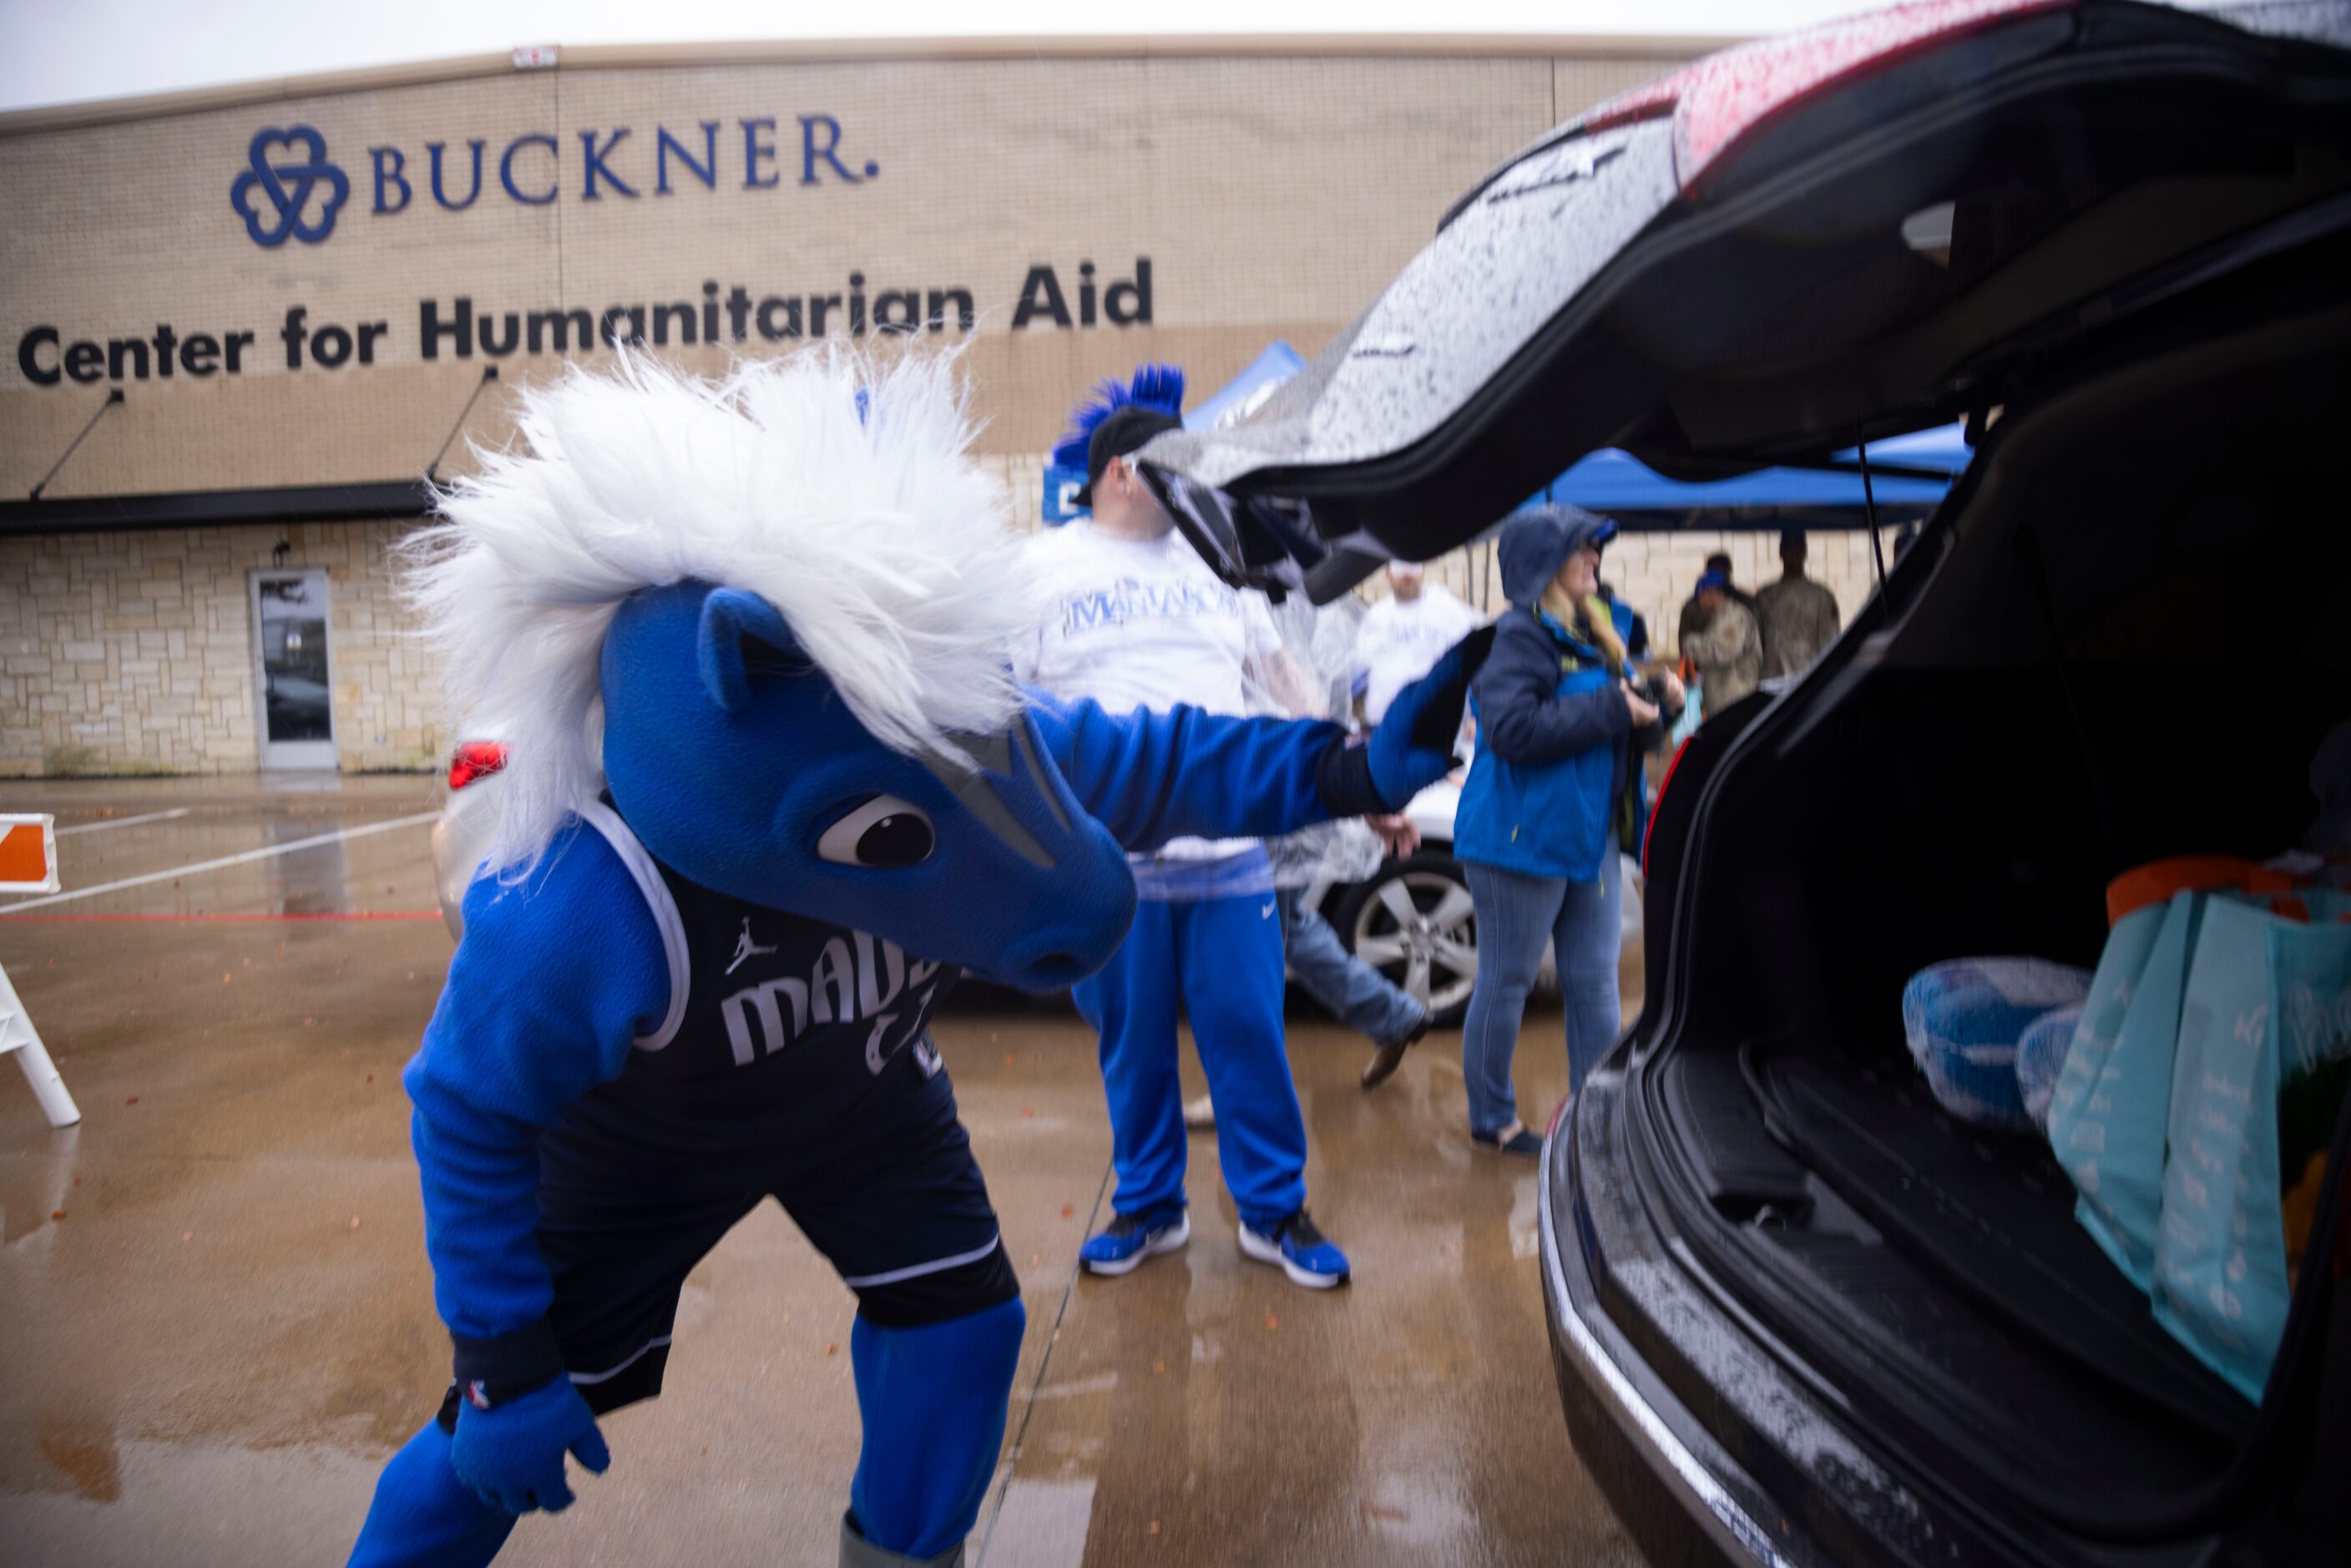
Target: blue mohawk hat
1115 420
1159 388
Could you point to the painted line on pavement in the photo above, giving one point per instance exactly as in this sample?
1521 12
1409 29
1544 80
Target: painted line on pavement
122 822
1011 1460
340 834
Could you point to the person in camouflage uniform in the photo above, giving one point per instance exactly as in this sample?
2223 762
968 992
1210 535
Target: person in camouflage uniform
1797 616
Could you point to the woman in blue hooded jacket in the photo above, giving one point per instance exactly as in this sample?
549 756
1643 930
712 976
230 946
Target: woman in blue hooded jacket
1554 793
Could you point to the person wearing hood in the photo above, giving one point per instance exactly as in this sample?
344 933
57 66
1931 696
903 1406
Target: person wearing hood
1553 796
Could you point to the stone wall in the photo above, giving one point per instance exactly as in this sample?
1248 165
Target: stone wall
1656 572
132 653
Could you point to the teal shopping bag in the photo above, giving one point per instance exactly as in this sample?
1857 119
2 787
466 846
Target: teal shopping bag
2107 1117
2267 996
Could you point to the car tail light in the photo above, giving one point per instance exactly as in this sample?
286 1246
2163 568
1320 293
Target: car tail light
1721 101
476 760
1649 829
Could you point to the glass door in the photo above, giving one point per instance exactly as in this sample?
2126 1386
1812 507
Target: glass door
294 679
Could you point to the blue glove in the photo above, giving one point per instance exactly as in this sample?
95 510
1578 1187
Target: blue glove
511 1455
1412 745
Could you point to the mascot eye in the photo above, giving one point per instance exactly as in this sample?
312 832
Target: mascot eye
886 831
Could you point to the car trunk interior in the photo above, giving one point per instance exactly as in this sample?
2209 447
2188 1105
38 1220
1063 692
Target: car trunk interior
2123 639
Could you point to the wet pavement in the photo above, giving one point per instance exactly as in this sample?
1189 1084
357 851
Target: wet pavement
219 1314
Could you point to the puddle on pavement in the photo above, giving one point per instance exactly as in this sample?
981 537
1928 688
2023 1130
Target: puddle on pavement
311 881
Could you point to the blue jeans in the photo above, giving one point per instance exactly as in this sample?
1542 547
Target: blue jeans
1220 960
1346 988
1515 914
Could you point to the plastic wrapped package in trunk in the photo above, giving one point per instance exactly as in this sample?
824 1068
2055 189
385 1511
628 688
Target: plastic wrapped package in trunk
2041 1052
1963 1018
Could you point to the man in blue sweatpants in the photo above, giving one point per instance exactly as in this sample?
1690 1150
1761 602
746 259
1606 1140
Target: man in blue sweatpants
1135 620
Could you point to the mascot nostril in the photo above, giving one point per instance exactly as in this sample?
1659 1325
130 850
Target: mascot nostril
771 789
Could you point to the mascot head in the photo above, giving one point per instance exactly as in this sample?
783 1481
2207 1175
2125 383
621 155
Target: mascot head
772 616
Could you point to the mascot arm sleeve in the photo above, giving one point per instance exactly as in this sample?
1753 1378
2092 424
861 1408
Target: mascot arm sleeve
553 980
1149 777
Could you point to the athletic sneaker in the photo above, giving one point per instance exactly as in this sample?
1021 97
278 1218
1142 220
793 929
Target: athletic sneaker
1200 1115
1132 1237
1301 1251
1389 1057
1514 1139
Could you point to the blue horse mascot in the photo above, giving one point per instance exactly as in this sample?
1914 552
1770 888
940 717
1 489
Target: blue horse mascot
771 791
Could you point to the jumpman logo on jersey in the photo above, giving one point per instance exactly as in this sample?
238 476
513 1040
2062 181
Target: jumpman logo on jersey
744 947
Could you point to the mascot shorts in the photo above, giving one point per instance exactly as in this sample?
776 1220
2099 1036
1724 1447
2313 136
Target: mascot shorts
894 1200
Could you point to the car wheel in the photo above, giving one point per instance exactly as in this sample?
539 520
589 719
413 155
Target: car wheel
1413 921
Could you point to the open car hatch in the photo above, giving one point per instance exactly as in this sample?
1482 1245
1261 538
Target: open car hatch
1770 256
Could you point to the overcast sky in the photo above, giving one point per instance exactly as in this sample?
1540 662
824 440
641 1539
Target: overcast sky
61 51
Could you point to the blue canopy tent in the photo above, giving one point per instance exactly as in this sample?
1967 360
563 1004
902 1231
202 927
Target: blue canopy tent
1623 486
1924 464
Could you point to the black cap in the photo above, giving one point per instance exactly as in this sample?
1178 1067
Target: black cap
1125 430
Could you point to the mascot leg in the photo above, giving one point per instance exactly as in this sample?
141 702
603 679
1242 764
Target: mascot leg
424 1517
934 1400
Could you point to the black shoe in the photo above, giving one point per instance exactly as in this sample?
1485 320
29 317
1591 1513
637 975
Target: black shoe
1516 1139
1299 1248
1389 1057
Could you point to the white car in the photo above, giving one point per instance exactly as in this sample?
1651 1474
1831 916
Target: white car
1412 918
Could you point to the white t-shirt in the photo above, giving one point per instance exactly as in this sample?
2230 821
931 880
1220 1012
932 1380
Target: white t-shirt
1398 641
1142 623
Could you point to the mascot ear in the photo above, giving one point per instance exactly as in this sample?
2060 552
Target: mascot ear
742 634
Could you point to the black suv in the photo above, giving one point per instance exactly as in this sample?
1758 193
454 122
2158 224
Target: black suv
1799 1314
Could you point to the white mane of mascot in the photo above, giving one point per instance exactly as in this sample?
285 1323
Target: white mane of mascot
838 488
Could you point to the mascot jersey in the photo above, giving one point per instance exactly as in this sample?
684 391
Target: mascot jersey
767 1009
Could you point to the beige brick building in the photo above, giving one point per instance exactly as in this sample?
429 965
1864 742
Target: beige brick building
299 290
